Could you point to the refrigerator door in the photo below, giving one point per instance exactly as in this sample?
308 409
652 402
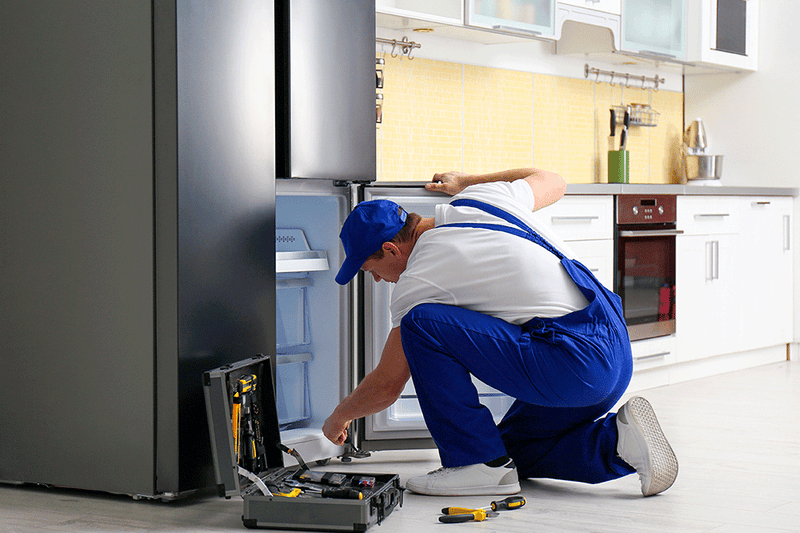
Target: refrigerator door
402 424
326 90
314 340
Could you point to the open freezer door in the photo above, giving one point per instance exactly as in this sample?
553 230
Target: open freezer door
314 315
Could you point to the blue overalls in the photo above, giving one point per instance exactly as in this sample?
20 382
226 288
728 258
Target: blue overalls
565 373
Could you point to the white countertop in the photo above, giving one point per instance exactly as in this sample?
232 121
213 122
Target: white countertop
687 190
644 188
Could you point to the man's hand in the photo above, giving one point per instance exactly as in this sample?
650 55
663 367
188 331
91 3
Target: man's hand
335 430
450 183
378 390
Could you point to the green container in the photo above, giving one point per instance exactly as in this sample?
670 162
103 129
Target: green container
619 166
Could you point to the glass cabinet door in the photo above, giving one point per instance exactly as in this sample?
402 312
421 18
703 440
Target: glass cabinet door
534 17
654 26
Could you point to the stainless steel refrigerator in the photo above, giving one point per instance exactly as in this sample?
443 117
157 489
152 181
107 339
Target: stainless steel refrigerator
136 232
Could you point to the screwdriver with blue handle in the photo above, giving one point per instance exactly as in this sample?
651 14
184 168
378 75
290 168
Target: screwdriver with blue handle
464 514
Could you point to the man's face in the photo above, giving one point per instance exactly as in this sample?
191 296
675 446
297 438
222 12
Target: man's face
388 268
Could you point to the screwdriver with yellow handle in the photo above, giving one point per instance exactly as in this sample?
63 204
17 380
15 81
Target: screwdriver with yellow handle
510 503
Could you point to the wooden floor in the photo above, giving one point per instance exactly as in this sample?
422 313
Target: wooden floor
737 437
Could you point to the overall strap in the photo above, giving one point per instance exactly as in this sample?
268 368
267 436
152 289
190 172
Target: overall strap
524 230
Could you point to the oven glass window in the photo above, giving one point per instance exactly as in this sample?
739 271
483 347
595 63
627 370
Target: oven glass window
646 279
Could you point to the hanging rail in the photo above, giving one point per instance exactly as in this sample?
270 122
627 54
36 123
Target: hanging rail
406 46
628 80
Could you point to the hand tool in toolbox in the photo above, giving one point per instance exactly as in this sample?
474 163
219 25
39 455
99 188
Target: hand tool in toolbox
248 461
454 515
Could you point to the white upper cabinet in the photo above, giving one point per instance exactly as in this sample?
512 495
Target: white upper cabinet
606 6
443 11
526 17
723 33
654 28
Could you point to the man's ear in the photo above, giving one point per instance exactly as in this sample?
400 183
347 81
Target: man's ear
391 248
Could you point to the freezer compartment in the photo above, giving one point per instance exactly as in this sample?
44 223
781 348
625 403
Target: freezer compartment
313 343
403 420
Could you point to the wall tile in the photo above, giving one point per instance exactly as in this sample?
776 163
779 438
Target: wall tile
441 116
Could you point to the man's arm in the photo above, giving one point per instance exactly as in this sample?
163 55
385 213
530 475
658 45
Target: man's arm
548 187
378 390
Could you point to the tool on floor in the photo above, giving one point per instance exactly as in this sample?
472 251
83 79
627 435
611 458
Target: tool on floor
507 504
472 515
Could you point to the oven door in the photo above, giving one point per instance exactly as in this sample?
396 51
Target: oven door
645 280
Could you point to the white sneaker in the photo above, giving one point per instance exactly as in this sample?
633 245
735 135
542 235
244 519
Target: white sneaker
642 444
471 480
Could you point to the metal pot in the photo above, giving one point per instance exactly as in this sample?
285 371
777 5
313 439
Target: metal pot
703 167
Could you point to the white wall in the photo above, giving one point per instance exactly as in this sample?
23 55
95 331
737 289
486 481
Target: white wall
754 119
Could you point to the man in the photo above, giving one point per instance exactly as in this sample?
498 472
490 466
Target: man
479 292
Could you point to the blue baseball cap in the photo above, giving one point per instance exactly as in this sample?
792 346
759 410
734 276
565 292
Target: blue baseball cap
370 225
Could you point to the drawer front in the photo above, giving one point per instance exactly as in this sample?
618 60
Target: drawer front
581 218
709 215
651 353
606 6
597 256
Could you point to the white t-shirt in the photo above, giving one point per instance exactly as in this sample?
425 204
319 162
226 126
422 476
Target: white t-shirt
489 271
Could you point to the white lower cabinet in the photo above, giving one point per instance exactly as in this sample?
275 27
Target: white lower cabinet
707 301
766 259
733 275
586 224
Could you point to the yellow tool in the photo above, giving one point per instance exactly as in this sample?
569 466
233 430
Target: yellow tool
453 515
293 494
510 503
471 515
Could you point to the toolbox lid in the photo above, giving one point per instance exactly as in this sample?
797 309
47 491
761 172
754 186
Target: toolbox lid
225 387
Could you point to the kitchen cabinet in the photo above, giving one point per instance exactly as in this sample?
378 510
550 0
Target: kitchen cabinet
707 273
606 6
723 33
766 259
442 11
527 17
654 28
586 224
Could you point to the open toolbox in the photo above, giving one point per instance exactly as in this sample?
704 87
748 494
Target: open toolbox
248 461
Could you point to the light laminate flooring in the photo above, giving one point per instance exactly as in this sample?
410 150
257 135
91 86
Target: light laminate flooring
736 435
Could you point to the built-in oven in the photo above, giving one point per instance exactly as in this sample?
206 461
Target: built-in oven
644 276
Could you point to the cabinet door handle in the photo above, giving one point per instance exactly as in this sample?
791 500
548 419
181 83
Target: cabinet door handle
712 260
519 31
712 215
761 203
573 218
651 356
787 233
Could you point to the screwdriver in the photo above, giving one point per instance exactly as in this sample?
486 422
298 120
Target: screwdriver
510 503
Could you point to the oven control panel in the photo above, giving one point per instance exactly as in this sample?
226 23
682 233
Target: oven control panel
646 209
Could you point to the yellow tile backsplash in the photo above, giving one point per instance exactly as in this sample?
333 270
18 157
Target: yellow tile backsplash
440 116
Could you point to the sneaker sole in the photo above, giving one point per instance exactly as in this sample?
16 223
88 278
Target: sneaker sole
663 463
499 490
